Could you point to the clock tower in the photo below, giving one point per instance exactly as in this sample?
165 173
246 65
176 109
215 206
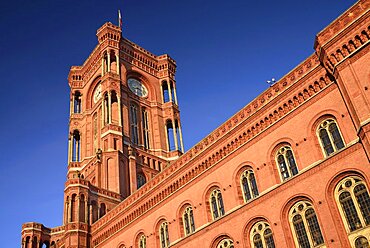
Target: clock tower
124 126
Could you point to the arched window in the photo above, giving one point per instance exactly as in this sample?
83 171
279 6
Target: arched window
286 162
76 146
165 92
95 212
361 242
145 128
140 180
261 236
142 241
353 201
168 92
77 102
188 221
249 185
330 137
226 243
102 210
134 124
163 235
303 219
170 131
216 203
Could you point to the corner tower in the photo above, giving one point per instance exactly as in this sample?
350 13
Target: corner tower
124 119
124 128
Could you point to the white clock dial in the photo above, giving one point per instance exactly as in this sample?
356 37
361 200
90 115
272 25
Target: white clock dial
137 87
97 93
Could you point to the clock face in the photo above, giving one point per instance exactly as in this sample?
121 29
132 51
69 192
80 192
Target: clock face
97 93
137 87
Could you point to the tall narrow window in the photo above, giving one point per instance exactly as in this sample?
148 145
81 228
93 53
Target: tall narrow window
178 137
165 92
140 180
330 138
226 243
261 236
353 201
77 102
170 136
163 235
76 146
102 210
145 128
286 162
249 185
134 124
142 241
188 221
216 203
303 219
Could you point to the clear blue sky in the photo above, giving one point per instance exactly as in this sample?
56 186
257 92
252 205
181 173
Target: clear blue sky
225 51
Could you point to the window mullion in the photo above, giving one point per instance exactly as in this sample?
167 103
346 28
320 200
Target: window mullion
310 239
218 206
287 166
355 202
263 238
331 138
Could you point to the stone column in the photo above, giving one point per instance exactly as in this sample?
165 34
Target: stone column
86 211
117 62
69 210
78 198
103 112
91 214
108 55
71 106
169 90
109 107
174 94
181 140
133 172
175 135
70 148
102 66
162 97
119 110
166 133
66 213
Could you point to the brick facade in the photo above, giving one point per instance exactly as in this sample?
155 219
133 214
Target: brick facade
283 162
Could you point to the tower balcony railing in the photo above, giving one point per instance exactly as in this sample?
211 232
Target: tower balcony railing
76 116
112 126
110 75
151 161
74 165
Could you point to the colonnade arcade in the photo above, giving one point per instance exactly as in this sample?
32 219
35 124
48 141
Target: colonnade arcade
174 135
111 109
36 242
169 91
110 62
81 209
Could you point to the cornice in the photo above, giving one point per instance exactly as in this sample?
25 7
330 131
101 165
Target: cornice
342 22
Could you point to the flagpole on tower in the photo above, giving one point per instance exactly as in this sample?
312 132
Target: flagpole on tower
119 19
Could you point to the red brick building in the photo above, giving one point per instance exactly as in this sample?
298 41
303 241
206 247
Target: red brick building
290 169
